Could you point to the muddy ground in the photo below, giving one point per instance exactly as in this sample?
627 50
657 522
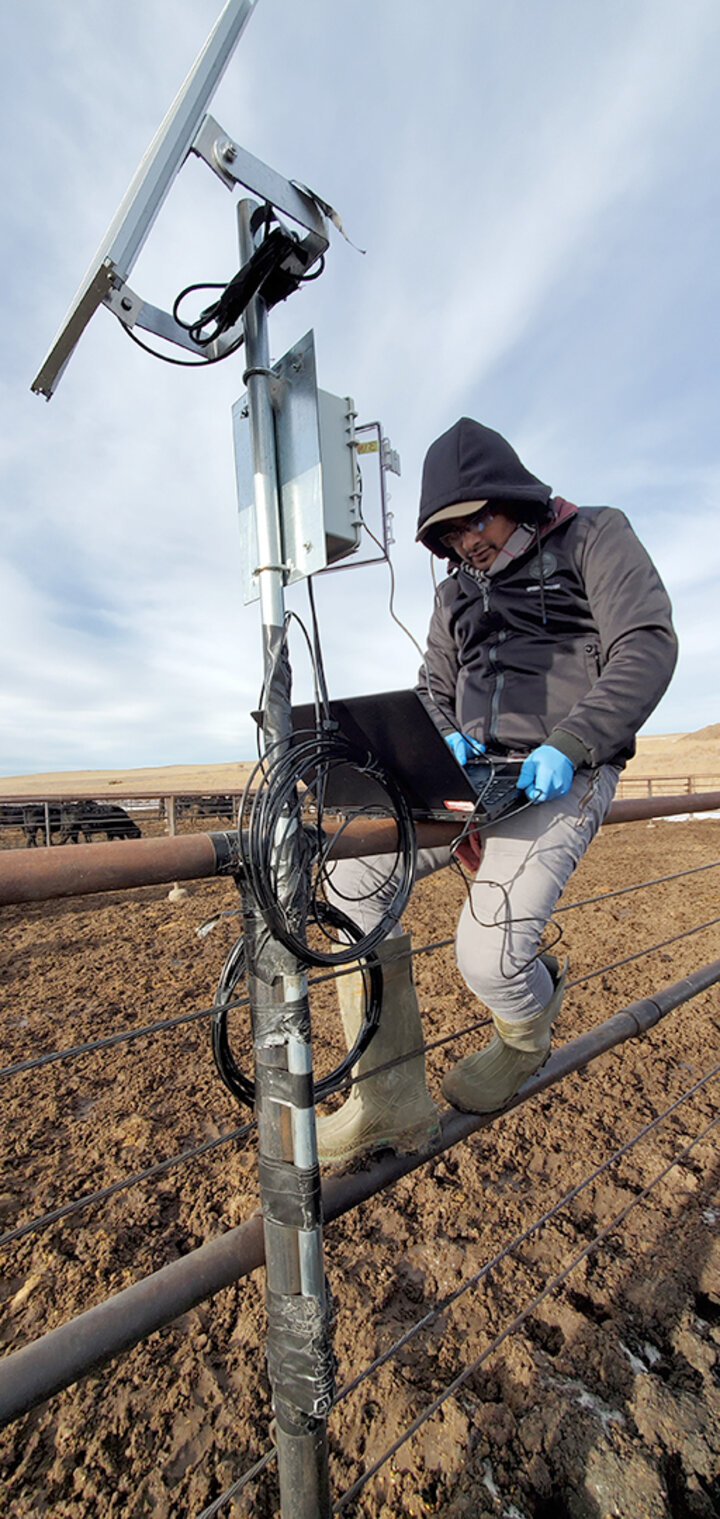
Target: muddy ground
604 1402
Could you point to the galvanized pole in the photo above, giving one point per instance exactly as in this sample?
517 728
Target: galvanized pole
300 1361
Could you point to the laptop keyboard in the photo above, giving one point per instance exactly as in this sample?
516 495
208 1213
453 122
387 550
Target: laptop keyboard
496 785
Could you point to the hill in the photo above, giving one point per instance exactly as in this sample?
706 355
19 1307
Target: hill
669 754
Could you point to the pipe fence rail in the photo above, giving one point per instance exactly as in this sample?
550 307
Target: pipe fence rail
43 874
666 785
44 1367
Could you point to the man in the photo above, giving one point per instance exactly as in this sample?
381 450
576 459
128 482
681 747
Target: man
551 641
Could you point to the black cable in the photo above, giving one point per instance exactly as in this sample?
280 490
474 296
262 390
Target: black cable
270 809
234 969
189 290
263 272
183 363
223 314
318 663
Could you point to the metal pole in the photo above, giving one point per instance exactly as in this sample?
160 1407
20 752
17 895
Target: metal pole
299 1353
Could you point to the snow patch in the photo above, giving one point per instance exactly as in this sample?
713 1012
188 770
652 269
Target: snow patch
586 1399
638 1366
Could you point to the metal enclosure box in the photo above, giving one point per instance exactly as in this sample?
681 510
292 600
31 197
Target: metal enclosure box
317 472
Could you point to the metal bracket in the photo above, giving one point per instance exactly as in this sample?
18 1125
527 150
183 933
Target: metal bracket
133 311
235 166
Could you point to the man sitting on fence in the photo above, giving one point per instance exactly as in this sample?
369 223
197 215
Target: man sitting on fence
552 641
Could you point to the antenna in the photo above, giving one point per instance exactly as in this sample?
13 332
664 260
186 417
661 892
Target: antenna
164 158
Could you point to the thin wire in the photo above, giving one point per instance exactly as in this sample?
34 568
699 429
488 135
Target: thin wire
183 363
168 1023
520 1239
621 891
123 1037
391 603
237 1487
35 1224
686 934
516 1323
446 1302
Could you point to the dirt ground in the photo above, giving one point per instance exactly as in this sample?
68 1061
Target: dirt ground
604 1403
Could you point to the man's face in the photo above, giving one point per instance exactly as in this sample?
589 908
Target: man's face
479 535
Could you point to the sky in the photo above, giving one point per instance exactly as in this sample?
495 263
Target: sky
535 188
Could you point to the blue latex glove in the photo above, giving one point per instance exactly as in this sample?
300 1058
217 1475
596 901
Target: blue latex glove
545 774
463 747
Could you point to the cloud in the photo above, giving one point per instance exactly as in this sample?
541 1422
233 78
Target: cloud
532 187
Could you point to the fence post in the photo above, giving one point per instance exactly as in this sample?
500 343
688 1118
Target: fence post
299 1354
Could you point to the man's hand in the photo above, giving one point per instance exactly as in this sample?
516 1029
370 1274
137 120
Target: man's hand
545 774
463 747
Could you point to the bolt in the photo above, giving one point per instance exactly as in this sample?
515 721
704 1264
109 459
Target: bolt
126 303
228 151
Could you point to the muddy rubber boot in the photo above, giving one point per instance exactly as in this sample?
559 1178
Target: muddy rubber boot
485 1082
392 1110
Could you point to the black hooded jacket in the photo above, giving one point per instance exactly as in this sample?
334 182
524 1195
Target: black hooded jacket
472 463
566 640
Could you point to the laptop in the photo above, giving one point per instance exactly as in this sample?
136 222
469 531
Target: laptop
399 732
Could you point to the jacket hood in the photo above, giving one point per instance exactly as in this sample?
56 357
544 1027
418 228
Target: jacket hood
470 462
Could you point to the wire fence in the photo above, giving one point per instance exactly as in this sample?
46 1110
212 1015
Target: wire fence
43 1064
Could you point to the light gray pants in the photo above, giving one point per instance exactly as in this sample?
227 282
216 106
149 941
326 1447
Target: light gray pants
526 862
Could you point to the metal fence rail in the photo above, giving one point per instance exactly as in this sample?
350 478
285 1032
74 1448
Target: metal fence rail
31 1375
666 785
40 875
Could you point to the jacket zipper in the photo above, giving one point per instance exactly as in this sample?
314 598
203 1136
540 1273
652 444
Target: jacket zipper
499 683
482 583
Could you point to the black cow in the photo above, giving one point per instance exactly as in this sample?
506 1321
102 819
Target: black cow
213 807
11 815
200 807
34 821
91 818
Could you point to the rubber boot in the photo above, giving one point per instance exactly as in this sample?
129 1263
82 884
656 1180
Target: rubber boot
486 1081
392 1110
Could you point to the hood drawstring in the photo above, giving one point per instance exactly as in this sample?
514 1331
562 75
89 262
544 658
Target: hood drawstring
542 574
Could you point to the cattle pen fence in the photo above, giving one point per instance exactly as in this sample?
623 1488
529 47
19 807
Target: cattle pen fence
54 1360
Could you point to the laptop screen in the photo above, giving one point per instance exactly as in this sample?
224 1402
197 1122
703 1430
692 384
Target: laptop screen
397 729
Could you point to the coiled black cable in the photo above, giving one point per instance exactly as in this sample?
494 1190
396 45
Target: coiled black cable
271 811
241 1086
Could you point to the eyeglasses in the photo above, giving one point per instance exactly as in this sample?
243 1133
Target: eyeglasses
476 522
